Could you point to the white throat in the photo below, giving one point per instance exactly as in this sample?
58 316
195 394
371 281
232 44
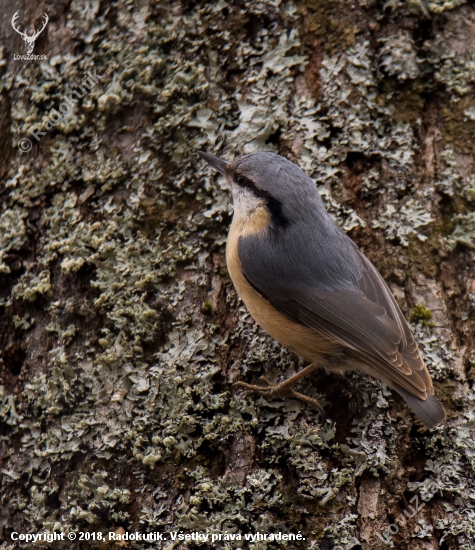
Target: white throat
244 201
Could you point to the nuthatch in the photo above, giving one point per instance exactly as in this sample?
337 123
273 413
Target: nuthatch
308 285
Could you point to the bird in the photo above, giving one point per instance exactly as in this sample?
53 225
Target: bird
310 287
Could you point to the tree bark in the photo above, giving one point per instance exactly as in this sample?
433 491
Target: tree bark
121 333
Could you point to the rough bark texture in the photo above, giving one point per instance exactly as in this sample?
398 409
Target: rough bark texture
120 331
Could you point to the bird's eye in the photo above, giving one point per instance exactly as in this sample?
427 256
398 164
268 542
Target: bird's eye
241 180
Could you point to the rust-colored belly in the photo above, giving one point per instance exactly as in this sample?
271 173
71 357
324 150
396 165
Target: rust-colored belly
303 340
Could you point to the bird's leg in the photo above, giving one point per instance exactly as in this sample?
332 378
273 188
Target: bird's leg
284 388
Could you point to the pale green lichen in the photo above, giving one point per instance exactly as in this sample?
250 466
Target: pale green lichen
24 322
342 534
449 180
91 500
31 285
455 72
8 412
264 106
371 181
363 126
439 6
469 189
464 231
368 449
405 222
12 233
435 352
398 57
451 465
420 7
220 507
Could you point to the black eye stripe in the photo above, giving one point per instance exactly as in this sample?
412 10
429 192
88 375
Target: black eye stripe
242 181
273 204
245 182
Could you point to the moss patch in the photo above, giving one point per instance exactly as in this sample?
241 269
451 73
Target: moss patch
420 314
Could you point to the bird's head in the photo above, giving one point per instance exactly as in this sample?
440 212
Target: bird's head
267 180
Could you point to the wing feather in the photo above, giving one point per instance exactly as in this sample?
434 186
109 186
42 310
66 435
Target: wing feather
361 313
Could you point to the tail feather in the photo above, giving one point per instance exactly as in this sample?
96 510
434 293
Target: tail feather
429 411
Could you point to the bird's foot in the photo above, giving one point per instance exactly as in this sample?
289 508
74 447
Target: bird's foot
283 390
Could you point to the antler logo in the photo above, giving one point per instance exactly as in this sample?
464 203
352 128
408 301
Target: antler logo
29 40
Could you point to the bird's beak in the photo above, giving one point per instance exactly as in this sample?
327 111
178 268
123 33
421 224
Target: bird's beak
218 164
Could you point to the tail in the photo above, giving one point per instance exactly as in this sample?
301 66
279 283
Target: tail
429 411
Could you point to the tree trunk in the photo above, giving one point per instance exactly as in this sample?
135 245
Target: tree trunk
121 333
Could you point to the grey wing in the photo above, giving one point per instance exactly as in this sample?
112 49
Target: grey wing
363 317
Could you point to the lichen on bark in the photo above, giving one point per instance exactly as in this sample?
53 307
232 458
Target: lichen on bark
121 332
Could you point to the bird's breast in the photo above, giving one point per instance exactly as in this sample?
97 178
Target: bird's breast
301 339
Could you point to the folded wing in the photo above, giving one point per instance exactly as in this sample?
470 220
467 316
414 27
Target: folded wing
361 315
